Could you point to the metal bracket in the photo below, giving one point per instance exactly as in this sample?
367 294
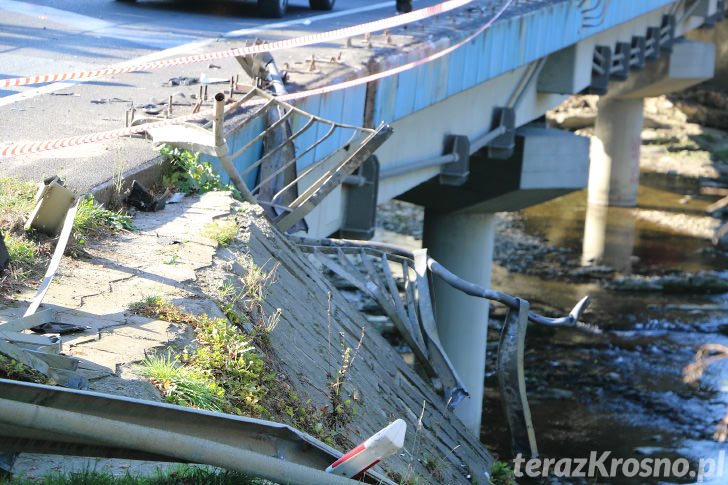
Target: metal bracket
620 62
667 33
52 203
601 66
361 201
456 172
638 53
502 146
652 44
713 19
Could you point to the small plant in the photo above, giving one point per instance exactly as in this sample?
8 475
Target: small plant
155 306
435 467
22 251
222 362
183 385
708 354
222 232
187 174
250 296
501 474
12 369
92 217
172 260
229 355
342 409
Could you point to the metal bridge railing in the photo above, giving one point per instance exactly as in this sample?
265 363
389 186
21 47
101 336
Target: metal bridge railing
276 180
400 282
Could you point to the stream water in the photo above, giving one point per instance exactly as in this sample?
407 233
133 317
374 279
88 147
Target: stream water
621 391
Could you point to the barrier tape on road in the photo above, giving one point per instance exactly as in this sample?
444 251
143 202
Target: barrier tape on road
301 41
35 147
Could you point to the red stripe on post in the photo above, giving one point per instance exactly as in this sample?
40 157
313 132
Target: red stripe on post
364 470
353 452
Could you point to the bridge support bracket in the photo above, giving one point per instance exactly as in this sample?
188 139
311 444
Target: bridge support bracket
620 62
667 34
601 67
502 146
456 172
361 201
638 53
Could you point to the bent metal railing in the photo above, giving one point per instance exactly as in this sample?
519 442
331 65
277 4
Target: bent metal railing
275 179
373 268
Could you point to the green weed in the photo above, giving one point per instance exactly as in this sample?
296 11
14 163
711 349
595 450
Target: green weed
93 217
12 369
222 362
222 232
187 174
250 297
154 306
183 385
501 474
17 199
22 251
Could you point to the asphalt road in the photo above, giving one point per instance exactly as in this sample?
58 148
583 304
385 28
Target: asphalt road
56 36
44 36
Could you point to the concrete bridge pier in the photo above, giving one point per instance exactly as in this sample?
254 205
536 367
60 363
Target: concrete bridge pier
614 174
463 243
615 150
609 235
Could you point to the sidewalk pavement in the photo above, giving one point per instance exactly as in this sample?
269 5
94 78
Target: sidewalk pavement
160 258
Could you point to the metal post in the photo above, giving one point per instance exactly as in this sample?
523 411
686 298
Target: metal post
222 150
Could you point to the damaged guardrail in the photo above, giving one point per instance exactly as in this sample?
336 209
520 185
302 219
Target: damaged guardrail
277 179
44 419
369 267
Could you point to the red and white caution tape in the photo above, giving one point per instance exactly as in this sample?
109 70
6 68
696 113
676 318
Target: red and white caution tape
304 40
40 146
34 147
381 445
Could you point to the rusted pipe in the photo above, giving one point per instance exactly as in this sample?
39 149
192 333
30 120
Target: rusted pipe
222 150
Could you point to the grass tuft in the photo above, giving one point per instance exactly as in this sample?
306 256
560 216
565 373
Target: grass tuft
222 232
221 371
22 251
92 217
182 385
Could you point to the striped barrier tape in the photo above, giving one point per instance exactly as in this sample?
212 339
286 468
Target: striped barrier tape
34 147
381 445
317 38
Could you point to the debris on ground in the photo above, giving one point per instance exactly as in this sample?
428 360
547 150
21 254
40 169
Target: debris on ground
140 197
